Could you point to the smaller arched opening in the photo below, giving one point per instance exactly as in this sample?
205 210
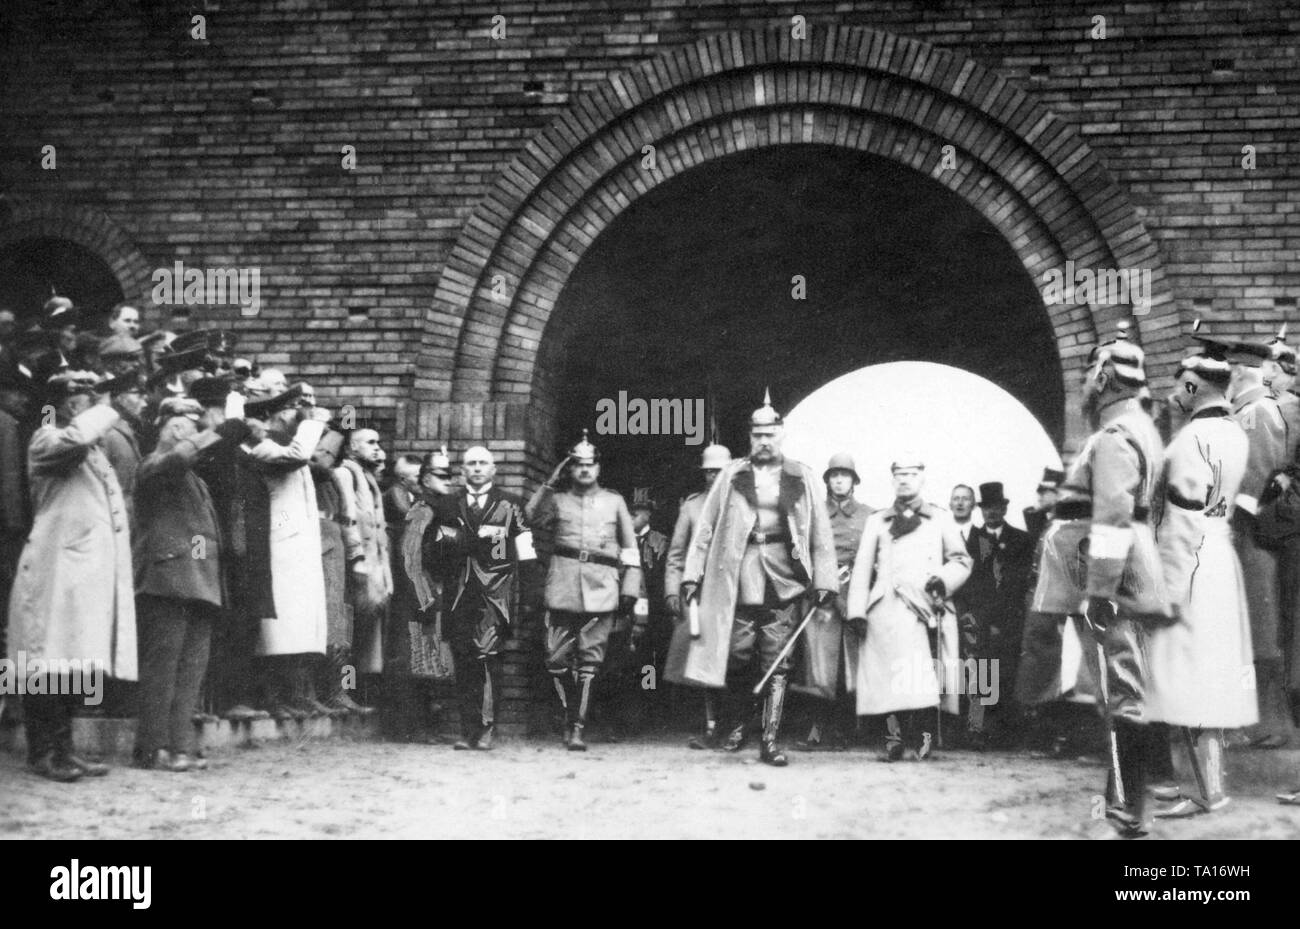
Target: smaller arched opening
35 268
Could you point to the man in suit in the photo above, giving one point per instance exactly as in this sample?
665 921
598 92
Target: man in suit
713 460
962 505
179 592
994 602
763 547
482 601
595 569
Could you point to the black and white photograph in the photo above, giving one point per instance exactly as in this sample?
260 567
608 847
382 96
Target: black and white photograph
674 419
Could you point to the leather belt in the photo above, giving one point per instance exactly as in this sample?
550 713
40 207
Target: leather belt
763 538
1082 509
583 555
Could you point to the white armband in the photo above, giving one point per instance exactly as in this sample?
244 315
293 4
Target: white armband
629 557
1109 542
524 546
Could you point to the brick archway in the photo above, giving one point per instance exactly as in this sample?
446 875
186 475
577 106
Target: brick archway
89 228
482 370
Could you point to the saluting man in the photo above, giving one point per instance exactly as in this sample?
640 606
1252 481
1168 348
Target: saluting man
1105 511
910 562
593 542
712 461
762 544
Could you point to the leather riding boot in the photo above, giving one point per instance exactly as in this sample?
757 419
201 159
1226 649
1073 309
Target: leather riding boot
585 680
564 689
1274 727
773 708
1129 813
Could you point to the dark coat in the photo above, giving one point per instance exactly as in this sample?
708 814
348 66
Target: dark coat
487 561
177 546
243 505
994 596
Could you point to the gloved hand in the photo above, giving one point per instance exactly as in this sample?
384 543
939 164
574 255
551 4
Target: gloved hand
936 588
859 626
625 603
673 603
690 592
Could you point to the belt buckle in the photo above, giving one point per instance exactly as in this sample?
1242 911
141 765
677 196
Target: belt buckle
582 556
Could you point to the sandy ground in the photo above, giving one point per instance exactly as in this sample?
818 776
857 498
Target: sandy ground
654 788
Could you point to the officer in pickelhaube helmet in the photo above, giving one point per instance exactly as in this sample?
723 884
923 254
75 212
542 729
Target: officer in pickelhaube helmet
1279 371
595 569
762 548
1105 512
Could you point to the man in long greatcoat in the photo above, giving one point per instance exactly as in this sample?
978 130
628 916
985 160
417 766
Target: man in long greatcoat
1201 664
762 547
712 462
910 562
73 599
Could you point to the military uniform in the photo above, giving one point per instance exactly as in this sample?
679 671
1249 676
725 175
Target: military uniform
763 542
1258 414
1101 547
594 564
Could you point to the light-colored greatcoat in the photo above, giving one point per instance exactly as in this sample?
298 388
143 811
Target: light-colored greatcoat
365 536
297 578
719 544
74 596
1202 668
894 669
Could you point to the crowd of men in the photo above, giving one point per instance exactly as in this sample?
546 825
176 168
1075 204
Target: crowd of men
200 524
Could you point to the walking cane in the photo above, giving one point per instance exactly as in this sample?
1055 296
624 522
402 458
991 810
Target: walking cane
785 650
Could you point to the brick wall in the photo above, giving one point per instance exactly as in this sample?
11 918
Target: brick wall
227 152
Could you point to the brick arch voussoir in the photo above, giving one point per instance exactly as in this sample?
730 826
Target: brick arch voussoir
92 229
688 75
997 200
524 237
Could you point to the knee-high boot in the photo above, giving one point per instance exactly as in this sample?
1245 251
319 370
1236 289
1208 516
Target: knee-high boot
773 708
1126 797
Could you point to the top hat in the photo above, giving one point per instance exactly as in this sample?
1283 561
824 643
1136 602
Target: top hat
991 494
